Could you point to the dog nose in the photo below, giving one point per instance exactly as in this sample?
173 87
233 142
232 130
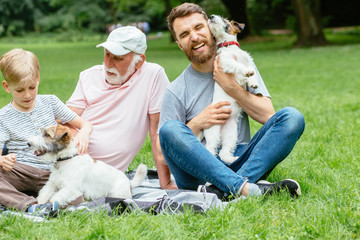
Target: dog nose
29 144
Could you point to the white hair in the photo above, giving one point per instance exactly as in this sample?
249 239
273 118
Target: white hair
119 79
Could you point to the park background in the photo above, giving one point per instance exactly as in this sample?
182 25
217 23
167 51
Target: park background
318 77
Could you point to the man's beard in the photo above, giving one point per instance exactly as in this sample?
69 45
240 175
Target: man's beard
118 79
200 59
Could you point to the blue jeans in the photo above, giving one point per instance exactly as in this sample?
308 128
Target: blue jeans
192 165
4 151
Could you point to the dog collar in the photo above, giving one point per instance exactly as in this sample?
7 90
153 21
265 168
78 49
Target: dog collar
66 158
226 44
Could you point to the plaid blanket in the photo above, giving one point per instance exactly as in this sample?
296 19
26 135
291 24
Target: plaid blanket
148 197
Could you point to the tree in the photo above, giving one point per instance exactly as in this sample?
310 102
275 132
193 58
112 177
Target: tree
238 12
310 31
16 17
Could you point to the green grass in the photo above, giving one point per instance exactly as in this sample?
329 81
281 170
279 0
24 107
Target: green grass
323 83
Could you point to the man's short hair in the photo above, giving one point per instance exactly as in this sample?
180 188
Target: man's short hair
183 10
19 65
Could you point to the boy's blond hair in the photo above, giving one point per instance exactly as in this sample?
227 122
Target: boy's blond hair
19 65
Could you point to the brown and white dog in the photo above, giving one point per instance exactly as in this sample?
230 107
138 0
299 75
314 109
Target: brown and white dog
76 175
233 60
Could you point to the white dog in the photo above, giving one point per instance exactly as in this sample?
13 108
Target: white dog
233 60
74 175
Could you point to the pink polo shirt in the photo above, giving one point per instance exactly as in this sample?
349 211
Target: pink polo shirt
119 114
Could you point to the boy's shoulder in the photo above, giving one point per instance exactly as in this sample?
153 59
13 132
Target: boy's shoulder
46 98
6 109
42 99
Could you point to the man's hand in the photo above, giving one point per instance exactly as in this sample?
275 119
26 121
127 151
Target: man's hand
257 107
7 162
81 141
225 80
213 114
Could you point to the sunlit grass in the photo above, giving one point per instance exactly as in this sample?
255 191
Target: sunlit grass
323 83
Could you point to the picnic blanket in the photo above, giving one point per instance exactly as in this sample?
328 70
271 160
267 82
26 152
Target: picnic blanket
148 197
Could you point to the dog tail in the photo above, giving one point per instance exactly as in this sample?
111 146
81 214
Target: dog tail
139 177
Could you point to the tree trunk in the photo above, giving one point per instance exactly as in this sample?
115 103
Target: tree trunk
238 12
112 11
310 32
168 9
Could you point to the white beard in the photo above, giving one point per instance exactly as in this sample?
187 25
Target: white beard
119 79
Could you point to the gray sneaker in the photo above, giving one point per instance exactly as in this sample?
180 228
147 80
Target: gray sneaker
289 185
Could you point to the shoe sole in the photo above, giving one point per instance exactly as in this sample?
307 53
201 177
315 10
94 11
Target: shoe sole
297 189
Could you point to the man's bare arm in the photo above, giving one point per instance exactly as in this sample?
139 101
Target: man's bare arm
257 107
161 166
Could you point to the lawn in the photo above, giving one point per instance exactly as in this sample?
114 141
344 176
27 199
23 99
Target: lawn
323 83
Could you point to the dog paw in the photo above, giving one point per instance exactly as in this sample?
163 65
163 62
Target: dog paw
211 150
227 157
250 73
42 200
253 83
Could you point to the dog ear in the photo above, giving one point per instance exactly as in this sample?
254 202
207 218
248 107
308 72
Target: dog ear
49 132
237 27
60 133
60 136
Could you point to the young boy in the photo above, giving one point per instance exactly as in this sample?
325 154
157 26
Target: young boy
21 170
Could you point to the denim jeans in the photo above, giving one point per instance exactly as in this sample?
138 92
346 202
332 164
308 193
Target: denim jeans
192 165
4 151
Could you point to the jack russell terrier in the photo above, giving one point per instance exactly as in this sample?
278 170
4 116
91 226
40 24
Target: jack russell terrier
233 60
76 175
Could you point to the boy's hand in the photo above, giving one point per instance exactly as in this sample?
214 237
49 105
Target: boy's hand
7 162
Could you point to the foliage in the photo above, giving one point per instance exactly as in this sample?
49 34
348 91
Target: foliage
75 15
344 14
320 82
152 11
15 15
270 14
20 17
214 7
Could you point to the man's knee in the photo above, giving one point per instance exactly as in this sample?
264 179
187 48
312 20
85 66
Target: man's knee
169 128
294 119
169 133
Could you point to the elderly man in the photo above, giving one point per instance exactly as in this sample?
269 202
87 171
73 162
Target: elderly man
187 109
122 99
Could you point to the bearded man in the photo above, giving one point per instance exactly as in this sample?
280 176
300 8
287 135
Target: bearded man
122 99
187 109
